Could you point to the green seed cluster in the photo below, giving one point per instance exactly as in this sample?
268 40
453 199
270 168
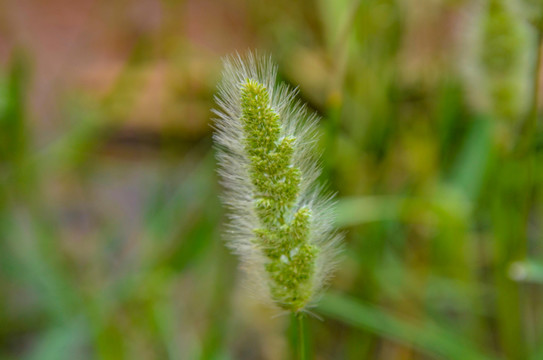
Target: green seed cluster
283 236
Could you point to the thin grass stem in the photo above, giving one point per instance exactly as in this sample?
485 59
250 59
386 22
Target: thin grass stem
302 353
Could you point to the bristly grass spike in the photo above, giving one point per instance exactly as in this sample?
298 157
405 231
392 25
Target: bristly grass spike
280 222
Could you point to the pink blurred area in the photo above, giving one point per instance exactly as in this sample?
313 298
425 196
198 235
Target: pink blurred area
85 46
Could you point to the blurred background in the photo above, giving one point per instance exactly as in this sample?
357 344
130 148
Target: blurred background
110 220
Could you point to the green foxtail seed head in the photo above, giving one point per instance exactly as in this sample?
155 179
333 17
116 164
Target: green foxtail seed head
499 60
279 222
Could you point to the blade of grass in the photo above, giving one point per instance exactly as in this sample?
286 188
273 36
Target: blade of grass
428 338
470 166
444 205
64 342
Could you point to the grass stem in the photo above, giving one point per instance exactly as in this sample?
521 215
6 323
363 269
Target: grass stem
302 354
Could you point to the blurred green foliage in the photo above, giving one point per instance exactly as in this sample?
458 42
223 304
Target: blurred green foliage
110 230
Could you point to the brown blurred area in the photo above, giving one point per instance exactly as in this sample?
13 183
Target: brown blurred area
169 50
166 54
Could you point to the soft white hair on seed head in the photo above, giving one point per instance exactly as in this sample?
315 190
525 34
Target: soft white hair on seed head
234 164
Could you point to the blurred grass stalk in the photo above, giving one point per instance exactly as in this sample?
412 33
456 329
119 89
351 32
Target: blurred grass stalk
449 207
29 242
513 210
